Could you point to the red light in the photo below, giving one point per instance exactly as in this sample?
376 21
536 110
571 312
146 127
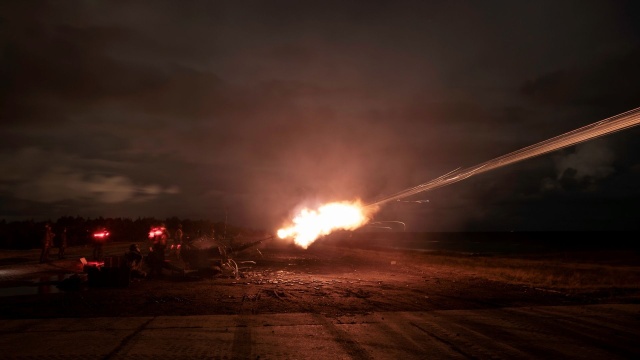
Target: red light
157 231
100 234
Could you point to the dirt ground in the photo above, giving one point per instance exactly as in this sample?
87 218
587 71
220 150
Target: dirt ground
328 280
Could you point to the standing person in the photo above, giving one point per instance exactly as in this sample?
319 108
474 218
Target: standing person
156 258
99 238
177 240
47 242
63 243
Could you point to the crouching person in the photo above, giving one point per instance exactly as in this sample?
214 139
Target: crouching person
133 260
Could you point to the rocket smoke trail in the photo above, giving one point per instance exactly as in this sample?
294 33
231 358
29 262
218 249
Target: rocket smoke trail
310 224
601 128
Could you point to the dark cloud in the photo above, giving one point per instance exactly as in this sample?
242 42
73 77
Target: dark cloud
610 84
582 168
253 108
62 68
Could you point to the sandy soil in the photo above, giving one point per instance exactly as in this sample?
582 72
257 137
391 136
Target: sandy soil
328 280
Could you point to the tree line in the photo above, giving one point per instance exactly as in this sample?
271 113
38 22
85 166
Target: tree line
28 234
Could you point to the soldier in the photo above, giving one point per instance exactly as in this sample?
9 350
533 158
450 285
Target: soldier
133 259
63 243
158 236
99 238
47 242
177 240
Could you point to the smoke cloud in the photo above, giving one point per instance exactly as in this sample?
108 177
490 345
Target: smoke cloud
582 169
52 177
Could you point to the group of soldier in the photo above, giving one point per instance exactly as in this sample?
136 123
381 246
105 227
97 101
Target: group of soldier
155 260
158 242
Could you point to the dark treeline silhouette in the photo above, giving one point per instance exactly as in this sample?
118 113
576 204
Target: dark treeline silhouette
28 234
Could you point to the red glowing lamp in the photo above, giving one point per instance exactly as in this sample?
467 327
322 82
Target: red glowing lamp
101 234
156 231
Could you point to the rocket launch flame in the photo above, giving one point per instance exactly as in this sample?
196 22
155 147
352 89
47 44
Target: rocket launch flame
311 224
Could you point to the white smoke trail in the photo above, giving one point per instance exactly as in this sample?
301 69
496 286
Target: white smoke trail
598 129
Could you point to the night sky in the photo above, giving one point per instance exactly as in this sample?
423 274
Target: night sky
250 109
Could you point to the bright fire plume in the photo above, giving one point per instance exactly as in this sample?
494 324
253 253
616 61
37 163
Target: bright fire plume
309 225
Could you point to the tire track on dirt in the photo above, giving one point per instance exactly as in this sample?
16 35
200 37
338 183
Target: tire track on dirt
489 328
417 337
242 337
127 339
510 331
399 338
583 330
614 318
549 331
442 339
343 339
340 336
241 346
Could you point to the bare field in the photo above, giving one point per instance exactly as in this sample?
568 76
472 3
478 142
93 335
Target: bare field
328 280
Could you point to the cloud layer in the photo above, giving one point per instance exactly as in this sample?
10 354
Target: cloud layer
209 109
